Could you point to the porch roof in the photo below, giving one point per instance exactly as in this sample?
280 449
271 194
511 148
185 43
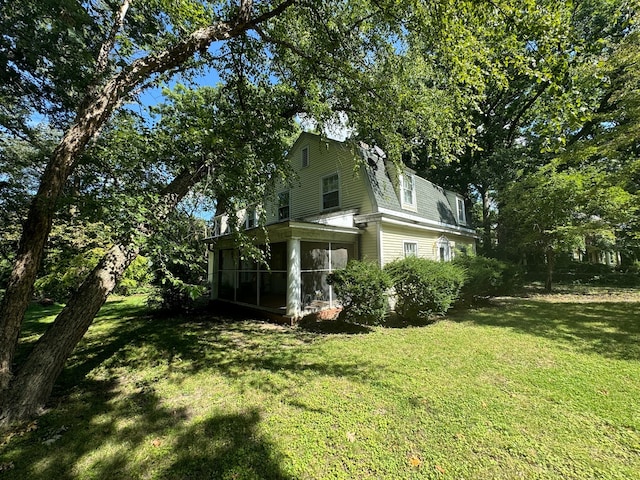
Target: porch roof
282 231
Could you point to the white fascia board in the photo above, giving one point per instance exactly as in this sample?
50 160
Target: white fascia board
408 220
322 227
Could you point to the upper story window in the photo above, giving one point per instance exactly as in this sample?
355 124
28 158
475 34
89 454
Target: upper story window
283 205
462 217
217 229
305 157
410 249
408 190
330 191
251 218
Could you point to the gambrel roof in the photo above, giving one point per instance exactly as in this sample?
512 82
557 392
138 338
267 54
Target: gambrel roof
433 203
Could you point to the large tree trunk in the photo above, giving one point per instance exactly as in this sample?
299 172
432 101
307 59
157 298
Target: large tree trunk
93 113
30 388
551 258
34 236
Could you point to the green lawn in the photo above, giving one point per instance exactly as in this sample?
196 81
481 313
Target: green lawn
545 387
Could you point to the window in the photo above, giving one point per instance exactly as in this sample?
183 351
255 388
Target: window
216 226
410 249
283 205
251 218
443 249
462 218
305 157
330 192
408 189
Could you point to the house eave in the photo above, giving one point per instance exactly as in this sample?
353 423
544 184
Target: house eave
277 232
405 219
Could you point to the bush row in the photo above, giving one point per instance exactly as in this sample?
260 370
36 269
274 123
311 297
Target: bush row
422 289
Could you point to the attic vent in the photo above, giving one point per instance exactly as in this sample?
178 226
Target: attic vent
305 157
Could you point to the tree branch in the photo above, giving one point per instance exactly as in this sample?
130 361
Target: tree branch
107 45
527 106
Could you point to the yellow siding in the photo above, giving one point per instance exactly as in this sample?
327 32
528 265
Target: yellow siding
394 236
369 243
326 157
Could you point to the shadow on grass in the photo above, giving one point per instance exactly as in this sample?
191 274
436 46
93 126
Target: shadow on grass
188 345
328 327
610 329
227 446
221 446
117 415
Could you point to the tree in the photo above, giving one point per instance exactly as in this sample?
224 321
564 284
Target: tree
546 75
218 148
554 209
609 139
113 76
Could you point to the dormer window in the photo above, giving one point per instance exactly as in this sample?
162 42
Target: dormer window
462 217
305 157
408 190
216 226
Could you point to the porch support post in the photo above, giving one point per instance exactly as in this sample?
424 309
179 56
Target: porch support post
293 277
212 271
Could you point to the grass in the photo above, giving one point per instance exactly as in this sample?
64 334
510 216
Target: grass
542 387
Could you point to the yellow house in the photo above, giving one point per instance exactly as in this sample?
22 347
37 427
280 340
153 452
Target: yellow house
347 202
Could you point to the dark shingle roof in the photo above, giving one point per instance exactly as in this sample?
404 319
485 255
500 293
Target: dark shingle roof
434 203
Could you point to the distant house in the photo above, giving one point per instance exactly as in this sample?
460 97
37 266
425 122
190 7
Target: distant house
347 202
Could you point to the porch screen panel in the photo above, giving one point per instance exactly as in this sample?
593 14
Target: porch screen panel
341 253
273 282
318 260
315 256
278 256
247 287
316 292
227 275
248 282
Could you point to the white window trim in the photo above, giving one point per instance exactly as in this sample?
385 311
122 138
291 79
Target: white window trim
288 206
217 226
322 192
302 156
461 218
248 218
404 248
446 243
403 203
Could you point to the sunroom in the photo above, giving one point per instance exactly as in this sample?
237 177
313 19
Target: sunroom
294 280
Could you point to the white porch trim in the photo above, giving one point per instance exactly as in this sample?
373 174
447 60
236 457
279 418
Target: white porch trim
294 288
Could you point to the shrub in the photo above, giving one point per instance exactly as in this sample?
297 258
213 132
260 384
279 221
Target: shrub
179 274
136 278
486 277
424 288
66 274
361 288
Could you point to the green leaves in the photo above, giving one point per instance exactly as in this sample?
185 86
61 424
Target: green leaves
557 208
